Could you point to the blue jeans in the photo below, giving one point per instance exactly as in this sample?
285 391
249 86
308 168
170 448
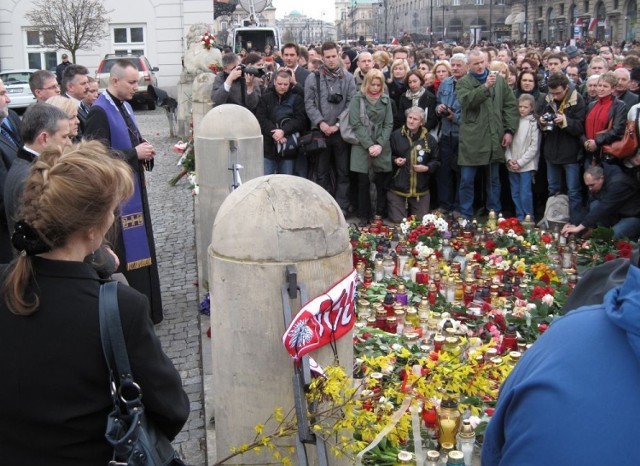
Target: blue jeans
446 176
574 187
627 228
522 193
467 184
280 166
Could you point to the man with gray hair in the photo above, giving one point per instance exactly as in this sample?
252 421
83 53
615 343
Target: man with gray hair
621 90
42 125
489 120
234 86
43 84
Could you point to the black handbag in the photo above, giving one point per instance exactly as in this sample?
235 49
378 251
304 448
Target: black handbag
135 440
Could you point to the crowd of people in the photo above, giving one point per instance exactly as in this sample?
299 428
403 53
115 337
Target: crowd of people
504 129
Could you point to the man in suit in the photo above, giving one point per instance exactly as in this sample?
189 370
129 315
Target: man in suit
290 55
10 141
92 95
75 83
42 125
43 85
111 120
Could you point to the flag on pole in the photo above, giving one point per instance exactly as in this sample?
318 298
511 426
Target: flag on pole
592 24
578 22
394 41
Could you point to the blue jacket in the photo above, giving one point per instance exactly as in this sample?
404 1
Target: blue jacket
573 397
447 95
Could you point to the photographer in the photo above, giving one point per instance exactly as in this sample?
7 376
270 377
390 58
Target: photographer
236 84
562 125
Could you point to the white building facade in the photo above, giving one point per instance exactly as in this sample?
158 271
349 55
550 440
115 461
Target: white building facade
155 28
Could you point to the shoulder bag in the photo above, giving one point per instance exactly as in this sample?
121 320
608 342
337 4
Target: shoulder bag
135 440
628 145
314 141
346 130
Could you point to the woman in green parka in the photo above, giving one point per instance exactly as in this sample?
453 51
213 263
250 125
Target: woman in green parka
373 153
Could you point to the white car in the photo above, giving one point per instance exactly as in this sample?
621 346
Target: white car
17 84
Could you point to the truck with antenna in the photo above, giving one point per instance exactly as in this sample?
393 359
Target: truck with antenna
251 34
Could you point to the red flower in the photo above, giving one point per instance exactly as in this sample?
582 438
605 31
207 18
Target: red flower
490 245
626 253
542 328
609 257
623 245
546 238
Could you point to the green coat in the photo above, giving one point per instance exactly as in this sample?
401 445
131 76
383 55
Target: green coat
487 114
381 118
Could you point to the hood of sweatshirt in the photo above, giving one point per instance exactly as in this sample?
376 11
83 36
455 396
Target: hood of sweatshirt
622 306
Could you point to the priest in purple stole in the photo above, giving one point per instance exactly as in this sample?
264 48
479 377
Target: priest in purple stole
111 120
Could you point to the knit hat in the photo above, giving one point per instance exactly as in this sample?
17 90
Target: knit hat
572 51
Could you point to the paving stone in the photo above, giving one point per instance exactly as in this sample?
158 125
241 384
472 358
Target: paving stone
180 332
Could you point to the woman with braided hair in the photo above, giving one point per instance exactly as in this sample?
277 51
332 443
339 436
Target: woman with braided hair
55 379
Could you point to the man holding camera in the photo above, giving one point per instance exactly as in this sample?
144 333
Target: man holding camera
234 85
327 94
562 125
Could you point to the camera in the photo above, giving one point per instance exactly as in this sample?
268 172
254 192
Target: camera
549 123
335 98
253 71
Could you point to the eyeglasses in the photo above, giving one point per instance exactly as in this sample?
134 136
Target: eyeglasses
50 88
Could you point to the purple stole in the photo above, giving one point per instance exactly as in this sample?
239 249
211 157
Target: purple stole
134 233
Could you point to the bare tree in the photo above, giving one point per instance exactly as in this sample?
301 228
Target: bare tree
77 24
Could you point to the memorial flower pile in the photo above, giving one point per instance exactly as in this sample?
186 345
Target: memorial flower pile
445 309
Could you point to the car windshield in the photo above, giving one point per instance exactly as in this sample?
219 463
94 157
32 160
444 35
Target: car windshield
15 78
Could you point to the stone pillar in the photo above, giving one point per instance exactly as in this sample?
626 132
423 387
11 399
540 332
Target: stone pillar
227 135
265 225
201 98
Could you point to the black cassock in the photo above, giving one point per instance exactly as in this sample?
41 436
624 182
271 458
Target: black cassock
145 279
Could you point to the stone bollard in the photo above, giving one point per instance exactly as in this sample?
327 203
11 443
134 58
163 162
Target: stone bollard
201 99
265 225
228 135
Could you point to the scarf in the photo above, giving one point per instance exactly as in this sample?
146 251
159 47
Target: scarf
480 77
336 74
414 97
436 86
598 118
134 233
373 98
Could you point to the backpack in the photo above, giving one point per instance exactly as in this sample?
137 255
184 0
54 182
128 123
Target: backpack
556 211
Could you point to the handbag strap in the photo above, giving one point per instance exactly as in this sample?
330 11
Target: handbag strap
113 344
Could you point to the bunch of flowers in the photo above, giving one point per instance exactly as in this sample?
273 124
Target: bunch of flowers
208 40
511 226
601 247
215 67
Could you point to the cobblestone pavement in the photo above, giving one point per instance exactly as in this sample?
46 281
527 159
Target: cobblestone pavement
180 331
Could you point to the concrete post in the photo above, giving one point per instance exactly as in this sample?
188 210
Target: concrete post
228 134
265 225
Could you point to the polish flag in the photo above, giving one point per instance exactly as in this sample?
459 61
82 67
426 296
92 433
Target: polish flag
592 24
578 22
394 41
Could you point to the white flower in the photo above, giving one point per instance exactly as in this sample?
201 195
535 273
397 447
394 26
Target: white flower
463 222
534 248
547 299
196 190
397 347
474 421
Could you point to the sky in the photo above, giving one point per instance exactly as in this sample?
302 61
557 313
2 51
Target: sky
311 8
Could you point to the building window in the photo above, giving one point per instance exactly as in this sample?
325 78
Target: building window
539 12
40 51
561 9
500 2
456 3
479 2
615 4
128 39
586 5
